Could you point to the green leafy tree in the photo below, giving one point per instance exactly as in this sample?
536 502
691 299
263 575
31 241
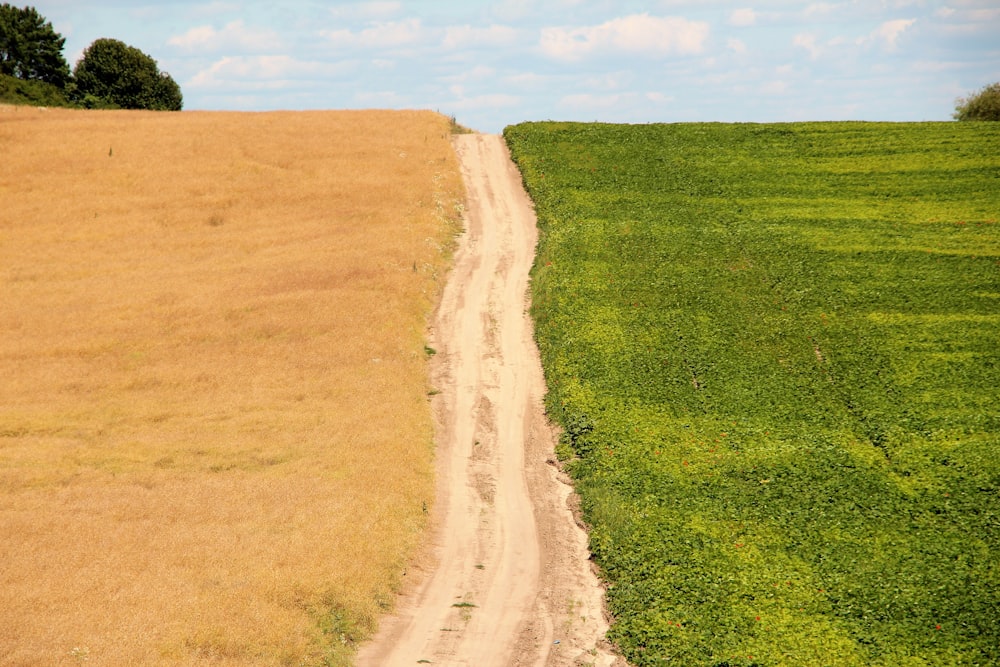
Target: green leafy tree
113 73
983 105
30 48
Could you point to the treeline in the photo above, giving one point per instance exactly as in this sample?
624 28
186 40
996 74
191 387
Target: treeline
109 75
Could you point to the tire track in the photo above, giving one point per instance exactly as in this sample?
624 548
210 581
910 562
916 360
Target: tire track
508 581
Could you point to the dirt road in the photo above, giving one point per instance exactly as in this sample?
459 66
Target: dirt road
507 581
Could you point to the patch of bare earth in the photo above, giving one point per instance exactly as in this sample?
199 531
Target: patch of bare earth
507 580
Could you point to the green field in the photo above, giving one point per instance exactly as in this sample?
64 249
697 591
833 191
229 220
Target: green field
775 354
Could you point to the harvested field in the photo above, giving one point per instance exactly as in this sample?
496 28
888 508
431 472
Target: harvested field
215 445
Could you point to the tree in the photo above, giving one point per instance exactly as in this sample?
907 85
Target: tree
30 48
111 72
983 105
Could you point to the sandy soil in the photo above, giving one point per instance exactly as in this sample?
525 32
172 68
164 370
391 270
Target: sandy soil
507 580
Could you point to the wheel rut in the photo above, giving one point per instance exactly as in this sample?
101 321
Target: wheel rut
507 580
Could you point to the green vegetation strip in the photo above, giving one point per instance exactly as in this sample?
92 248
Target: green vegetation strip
775 354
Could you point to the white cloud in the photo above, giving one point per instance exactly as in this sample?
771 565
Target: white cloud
194 38
527 79
368 11
610 81
736 45
638 33
743 17
235 35
466 35
262 72
819 10
490 101
807 41
147 13
512 10
970 16
888 33
774 88
477 73
380 98
692 4
389 34
590 101
727 77
991 14
515 10
891 30
216 8
935 66
659 98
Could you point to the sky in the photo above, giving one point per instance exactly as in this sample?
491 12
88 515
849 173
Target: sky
493 63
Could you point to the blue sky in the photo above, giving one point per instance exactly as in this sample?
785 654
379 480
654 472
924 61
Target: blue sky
491 63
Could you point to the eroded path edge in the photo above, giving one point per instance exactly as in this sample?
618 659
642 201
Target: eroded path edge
508 580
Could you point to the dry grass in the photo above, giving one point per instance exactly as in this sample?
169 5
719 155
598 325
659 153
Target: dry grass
215 442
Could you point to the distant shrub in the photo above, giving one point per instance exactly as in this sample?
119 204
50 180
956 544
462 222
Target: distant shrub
983 105
114 73
30 92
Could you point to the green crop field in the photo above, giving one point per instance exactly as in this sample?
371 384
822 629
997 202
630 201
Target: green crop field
775 354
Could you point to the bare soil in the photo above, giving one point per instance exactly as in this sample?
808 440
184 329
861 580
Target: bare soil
507 579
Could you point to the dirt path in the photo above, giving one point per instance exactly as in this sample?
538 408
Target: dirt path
507 581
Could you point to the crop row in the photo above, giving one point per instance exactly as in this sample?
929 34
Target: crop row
774 351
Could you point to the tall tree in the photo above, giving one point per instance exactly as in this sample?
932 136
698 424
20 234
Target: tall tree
111 71
30 48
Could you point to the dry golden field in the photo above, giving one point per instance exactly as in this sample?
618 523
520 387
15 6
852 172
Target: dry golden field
215 440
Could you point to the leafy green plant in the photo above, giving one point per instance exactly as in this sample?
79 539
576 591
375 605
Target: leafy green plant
981 105
458 128
772 350
31 92
112 73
